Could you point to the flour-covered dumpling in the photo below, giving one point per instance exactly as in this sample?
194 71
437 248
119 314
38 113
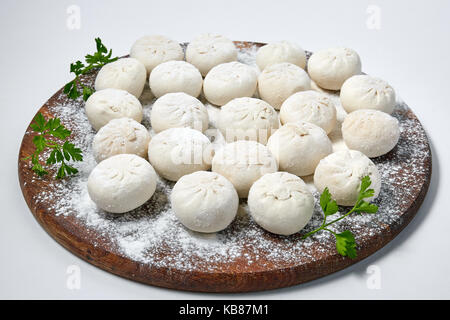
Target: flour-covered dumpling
178 110
342 172
107 104
155 49
247 119
209 50
309 106
372 132
281 203
175 76
299 146
366 92
243 162
278 52
204 201
127 74
122 183
279 81
227 81
329 68
176 152
120 136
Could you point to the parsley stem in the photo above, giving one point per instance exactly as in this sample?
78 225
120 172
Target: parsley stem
340 218
329 231
325 225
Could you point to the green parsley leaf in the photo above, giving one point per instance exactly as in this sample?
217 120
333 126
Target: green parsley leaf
328 205
365 183
96 60
87 92
51 158
60 153
71 89
61 172
366 207
345 244
77 67
37 167
39 123
56 129
72 151
39 142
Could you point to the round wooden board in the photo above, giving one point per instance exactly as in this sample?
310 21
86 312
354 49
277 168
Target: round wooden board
411 180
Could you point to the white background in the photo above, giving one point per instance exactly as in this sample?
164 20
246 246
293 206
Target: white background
410 50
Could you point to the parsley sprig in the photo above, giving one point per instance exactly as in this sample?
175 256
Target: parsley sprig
93 61
51 134
345 241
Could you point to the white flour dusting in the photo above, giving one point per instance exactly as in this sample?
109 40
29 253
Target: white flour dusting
152 235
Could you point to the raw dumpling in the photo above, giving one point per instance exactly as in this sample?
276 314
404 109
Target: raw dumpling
309 106
175 76
122 183
120 136
281 203
342 172
279 81
299 146
243 162
204 201
176 152
329 68
178 110
372 132
247 119
227 81
366 92
127 74
155 49
209 50
277 52
107 104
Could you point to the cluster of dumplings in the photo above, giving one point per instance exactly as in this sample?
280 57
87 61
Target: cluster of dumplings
275 122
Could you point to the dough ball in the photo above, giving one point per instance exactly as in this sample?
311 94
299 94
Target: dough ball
176 152
175 76
372 132
309 106
178 110
209 50
243 162
366 92
227 81
120 136
342 172
279 81
127 74
278 52
107 104
299 146
122 183
247 119
204 201
329 68
281 203
153 50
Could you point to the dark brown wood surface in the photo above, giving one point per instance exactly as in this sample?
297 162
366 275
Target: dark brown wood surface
236 276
